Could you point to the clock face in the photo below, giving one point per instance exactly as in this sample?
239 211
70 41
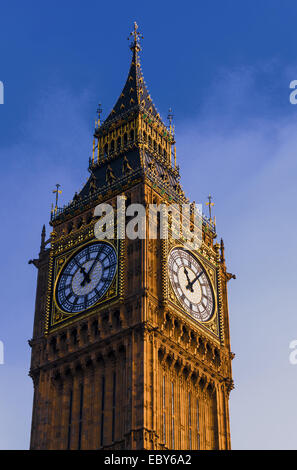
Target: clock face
86 277
191 284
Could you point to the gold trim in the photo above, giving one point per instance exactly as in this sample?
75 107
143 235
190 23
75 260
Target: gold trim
211 325
111 293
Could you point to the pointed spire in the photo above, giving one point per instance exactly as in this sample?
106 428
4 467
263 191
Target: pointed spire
42 244
135 95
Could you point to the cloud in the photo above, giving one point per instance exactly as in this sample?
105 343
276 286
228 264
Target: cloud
52 146
244 152
241 147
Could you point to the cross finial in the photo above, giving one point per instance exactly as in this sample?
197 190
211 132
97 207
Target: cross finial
57 192
135 31
136 37
210 205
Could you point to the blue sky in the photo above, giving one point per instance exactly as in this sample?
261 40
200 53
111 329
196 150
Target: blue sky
225 69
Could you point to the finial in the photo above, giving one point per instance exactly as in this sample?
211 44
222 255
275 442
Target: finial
210 204
57 192
170 118
42 245
136 37
99 112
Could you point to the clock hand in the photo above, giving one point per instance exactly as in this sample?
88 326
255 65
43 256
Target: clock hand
94 262
196 279
86 276
83 271
188 286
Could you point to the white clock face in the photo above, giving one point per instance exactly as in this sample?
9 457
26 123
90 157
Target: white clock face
191 284
86 277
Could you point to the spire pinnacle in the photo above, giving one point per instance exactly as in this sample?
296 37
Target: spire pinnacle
135 45
99 112
57 192
170 119
135 94
43 233
210 204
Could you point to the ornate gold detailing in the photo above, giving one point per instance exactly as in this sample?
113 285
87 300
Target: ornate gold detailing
49 292
54 314
93 183
220 294
210 326
110 177
164 257
126 166
122 267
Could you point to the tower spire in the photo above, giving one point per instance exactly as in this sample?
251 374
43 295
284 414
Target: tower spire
135 95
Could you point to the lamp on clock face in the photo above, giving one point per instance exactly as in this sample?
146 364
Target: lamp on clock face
191 284
86 277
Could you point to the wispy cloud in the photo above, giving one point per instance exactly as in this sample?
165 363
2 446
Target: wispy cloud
241 148
244 152
52 146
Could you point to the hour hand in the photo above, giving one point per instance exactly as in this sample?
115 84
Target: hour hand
194 280
86 276
189 285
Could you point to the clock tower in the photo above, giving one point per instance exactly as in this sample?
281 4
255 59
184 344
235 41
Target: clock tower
131 344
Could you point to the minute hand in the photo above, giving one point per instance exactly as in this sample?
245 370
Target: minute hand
94 262
190 285
87 275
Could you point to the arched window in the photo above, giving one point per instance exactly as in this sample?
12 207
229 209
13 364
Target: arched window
112 146
132 135
125 138
144 136
105 150
119 143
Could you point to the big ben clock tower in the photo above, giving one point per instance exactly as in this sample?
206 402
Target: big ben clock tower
131 344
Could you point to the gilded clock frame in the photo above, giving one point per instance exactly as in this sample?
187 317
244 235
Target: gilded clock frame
57 317
212 326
